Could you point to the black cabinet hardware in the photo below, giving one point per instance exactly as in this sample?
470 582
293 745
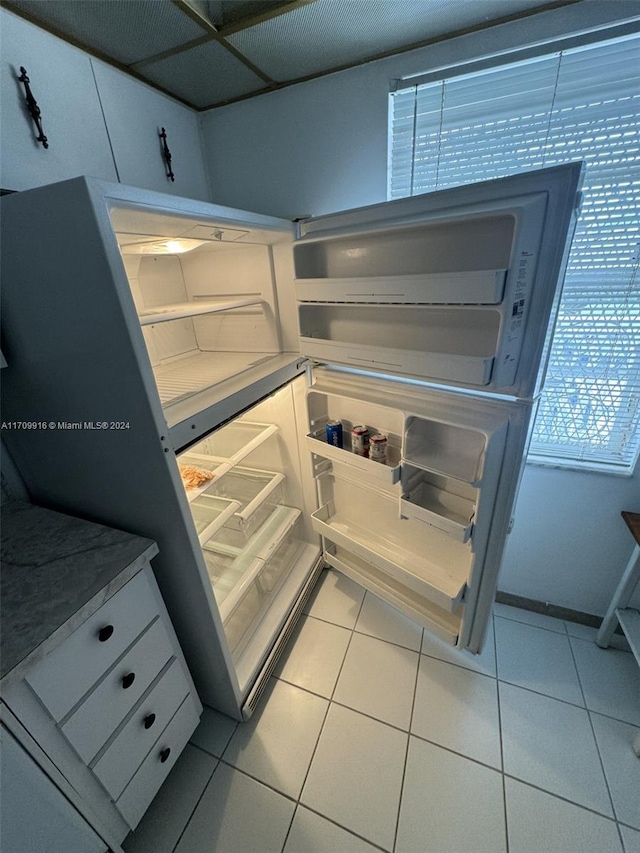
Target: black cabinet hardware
166 154
128 680
32 106
105 632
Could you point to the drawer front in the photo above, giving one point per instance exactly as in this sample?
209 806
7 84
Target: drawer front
93 723
145 784
123 757
64 676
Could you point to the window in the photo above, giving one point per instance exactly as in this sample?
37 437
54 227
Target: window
581 103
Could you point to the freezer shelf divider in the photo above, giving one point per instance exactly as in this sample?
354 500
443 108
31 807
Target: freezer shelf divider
438 586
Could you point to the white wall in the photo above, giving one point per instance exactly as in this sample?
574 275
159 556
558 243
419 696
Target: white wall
321 146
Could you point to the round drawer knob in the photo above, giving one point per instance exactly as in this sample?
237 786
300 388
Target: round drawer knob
105 632
166 752
128 680
149 720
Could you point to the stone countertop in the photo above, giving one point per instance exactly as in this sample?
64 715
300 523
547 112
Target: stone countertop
56 567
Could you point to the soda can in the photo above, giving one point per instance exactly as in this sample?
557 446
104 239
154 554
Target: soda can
334 434
360 440
378 448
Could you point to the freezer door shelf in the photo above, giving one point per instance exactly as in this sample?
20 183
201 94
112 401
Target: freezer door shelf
422 363
467 287
411 570
388 472
439 622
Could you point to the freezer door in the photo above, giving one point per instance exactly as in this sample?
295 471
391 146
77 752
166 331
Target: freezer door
456 287
423 529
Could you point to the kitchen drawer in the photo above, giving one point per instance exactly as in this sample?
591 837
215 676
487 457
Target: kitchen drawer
126 753
63 677
93 723
145 784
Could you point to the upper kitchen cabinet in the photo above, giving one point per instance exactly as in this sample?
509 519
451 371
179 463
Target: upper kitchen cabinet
62 83
135 113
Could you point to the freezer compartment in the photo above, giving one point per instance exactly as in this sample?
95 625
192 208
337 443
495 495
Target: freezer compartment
448 343
366 523
440 622
445 449
441 502
206 306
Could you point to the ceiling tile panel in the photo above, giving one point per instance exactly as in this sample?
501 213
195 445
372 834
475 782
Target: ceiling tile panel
204 75
126 30
331 33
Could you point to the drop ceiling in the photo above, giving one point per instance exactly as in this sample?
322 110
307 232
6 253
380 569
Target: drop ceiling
208 53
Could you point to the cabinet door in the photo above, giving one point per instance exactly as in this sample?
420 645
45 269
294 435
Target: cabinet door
135 113
63 85
35 814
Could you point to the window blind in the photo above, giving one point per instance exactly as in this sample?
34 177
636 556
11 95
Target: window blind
575 104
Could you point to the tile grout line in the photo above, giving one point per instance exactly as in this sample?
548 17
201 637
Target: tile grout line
504 779
406 753
324 722
595 740
193 810
563 799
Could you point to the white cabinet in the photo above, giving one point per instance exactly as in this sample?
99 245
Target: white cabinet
135 113
35 814
63 86
106 694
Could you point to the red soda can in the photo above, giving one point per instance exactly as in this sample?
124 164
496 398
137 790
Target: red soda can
360 440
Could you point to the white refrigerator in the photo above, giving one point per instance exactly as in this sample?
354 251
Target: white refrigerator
173 366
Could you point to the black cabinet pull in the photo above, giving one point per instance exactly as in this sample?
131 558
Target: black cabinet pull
105 632
128 680
166 752
149 720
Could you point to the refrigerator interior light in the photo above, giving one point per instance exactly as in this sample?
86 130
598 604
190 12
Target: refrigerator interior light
162 247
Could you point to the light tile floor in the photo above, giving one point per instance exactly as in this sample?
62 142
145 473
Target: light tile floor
374 737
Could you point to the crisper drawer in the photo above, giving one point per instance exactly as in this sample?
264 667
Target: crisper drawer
243 608
138 794
62 678
93 723
117 765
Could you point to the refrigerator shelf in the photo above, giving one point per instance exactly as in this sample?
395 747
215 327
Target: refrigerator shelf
442 623
427 579
182 310
180 379
388 472
438 508
470 287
